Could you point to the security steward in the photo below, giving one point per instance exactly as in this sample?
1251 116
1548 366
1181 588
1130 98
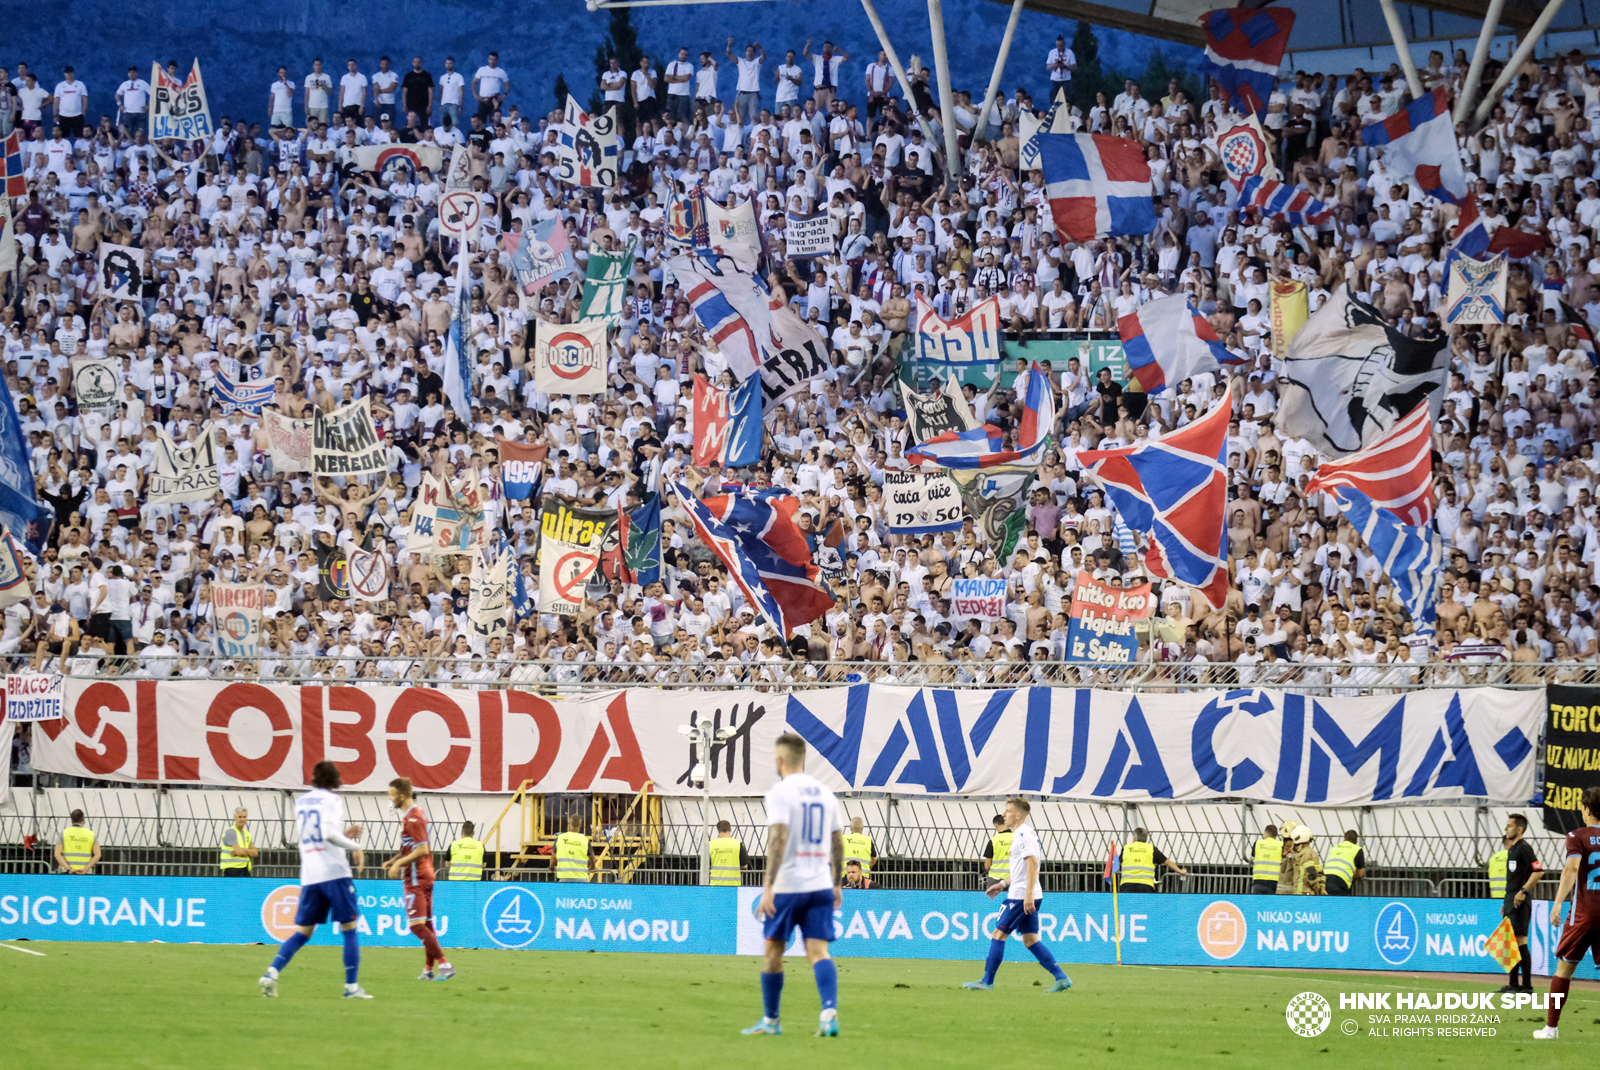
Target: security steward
466 856
1523 870
1265 861
571 861
239 852
729 859
78 851
1497 871
1347 863
996 860
1140 860
858 847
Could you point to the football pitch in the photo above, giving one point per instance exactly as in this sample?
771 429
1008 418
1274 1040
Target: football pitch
177 1005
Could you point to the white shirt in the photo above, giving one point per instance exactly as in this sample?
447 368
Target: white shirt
451 84
134 95
319 817
317 87
491 81
70 98
1024 845
352 90
812 815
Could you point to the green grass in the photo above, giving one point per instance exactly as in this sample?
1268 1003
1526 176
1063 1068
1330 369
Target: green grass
176 1005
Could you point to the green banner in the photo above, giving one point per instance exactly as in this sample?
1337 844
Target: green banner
606 284
1094 349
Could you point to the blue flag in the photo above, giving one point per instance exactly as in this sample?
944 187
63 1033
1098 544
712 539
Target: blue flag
1412 556
20 511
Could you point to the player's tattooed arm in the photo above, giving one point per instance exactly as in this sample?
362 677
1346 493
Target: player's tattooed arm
777 840
837 858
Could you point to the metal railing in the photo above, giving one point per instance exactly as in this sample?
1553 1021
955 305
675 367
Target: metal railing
553 677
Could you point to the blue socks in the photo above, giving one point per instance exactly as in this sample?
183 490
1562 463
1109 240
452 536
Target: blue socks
1047 960
827 975
771 993
286 951
997 951
352 956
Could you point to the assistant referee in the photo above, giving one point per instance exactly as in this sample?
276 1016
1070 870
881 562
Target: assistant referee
1523 870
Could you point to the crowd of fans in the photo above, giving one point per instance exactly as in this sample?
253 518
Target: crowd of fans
272 257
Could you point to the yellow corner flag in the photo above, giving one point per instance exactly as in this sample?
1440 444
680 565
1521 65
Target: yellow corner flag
1287 314
1502 946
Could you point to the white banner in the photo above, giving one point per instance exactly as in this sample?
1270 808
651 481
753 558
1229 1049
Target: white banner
920 503
122 272
734 230
1287 750
570 358
589 147
1477 290
793 356
35 696
808 236
345 442
94 383
981 599
390 159
564 569
440 525
289 442
184 473
236 612
489 600
178 110
369 575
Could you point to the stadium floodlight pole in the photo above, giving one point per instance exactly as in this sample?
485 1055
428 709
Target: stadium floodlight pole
947 105
704 741
1480 55
899 71
1524 50
999 69
1398 34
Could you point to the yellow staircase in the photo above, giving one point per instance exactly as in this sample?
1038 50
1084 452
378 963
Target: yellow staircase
626 828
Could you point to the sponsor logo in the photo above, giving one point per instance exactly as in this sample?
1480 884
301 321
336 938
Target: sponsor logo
278 910
513 917
1308 1015
1222 930
1396 933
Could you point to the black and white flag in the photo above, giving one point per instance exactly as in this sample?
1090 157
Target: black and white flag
928 415
185 473
1349 377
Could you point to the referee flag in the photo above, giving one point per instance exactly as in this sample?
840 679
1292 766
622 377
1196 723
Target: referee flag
1502 946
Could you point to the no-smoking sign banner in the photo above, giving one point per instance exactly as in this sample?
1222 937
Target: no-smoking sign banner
460 215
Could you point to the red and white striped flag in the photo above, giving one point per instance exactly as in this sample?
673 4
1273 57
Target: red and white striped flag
1396 471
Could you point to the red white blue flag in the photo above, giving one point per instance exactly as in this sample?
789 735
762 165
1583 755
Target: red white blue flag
1097 185
11 169
1421 140
1175 490
756 537
1244 49
1166 341
1395 472
1271 197
984 447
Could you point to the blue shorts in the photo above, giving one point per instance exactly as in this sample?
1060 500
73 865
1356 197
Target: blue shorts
812 911
1013 920
317 901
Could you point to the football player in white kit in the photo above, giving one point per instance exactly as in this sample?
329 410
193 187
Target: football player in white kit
1021 912
805 878
326 885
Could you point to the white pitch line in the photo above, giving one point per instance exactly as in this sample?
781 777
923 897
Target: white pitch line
24 950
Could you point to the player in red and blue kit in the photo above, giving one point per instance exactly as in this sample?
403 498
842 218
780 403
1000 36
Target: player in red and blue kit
1581 877
414 865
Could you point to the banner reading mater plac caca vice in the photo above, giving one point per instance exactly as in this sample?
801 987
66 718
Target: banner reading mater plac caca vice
1060 742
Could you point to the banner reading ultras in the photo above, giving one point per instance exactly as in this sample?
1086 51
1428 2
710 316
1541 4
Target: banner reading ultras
1077 744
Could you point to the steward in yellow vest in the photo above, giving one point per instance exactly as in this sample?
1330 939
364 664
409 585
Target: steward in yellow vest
1346 862
466 856
997 855
238 850
858 847
1140 861
1497 873
571 860
1265 862
728 858
77 852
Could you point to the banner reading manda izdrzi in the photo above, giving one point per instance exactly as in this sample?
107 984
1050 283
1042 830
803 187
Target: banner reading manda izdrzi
1077 744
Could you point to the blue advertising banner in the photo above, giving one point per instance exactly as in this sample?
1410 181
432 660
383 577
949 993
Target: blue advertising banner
1324 932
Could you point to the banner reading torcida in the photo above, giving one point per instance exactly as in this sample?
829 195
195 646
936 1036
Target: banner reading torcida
1103 619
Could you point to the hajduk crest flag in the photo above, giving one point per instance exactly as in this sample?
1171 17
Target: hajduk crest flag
178 110
345 442
734 230
1244 152
1097 185
1175 490
589 147
984 447
1421 140
1166 341
1244 49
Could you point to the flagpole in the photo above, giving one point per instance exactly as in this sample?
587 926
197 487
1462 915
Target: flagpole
1116 914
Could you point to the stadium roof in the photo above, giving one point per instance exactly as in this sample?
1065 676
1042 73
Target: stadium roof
1358 22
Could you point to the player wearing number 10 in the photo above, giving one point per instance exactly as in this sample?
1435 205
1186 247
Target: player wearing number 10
805 875
326 885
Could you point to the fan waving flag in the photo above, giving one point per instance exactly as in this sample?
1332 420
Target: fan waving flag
1271 197
1395 472
1580 327
1244 49
1422 140
756 537
1175 490
1166 341
1412 556
1097 185
984 447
